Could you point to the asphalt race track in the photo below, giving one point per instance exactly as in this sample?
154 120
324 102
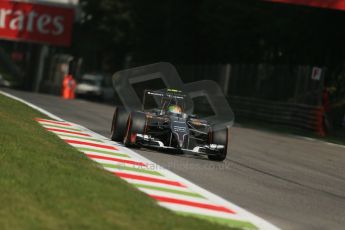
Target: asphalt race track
294 183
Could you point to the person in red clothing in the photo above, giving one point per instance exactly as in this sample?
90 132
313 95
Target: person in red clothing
68 87
325 100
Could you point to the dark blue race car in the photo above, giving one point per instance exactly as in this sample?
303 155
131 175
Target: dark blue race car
168 127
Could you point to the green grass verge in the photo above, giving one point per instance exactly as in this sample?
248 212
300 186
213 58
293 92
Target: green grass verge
47 184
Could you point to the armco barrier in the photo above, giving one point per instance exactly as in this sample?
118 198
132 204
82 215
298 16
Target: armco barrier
294 115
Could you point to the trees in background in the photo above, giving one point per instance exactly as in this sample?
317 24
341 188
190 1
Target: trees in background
208 31
103 36
119 33
116 33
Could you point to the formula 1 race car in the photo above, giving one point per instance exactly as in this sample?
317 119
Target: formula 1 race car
168 127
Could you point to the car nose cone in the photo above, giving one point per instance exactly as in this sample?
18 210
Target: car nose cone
180 143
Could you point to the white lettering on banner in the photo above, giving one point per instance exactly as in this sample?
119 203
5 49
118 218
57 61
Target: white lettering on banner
32 22
58 23
42 22
3 15
31 17
17 22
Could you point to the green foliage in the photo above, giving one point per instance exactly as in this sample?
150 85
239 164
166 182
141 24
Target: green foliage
102 37
119 33
210 31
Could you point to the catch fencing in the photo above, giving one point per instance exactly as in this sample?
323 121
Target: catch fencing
278 94
301 116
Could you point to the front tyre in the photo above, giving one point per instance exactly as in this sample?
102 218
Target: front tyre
219 137
136 124
118 126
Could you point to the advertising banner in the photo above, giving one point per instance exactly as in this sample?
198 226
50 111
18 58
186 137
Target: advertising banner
330 4
69 2
24 21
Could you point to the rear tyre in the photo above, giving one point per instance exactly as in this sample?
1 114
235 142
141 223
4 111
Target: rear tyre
219 137
136 124
118 126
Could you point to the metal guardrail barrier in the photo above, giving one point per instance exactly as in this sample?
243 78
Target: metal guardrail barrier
295 115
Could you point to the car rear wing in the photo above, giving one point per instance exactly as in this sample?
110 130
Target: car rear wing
165 93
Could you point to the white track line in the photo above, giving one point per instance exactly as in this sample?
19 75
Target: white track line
164 186
175 196
124 157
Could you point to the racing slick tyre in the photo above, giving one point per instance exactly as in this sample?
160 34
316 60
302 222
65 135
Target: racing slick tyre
136 124
219 137
118 126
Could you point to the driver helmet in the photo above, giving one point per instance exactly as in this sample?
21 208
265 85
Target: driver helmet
174 109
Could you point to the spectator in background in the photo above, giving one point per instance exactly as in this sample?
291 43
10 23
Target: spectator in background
68 87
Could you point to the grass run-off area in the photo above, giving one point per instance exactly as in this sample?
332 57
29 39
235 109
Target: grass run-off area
47 184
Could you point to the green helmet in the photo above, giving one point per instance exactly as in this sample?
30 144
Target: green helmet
174 109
